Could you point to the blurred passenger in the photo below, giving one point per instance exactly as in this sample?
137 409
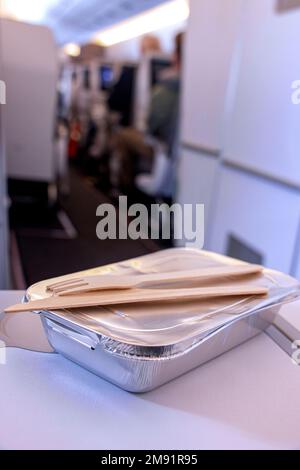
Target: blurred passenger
121 99
134 150
75 88
121 96
150 44
150 47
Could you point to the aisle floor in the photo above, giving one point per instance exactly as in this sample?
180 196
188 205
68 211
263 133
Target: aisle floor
45 257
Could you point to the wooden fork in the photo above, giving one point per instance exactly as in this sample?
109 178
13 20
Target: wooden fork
106 282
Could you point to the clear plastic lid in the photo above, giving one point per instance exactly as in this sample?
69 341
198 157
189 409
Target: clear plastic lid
170 323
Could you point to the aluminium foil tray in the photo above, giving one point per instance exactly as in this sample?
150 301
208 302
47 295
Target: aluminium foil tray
142 346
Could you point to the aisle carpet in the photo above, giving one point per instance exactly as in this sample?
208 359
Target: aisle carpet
43 257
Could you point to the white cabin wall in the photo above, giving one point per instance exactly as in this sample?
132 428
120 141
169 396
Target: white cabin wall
237 108
31 74
210 42
4 270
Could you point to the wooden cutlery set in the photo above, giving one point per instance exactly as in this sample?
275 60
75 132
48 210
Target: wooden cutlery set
101 290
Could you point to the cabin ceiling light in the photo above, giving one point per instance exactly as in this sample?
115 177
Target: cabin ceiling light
32 11
72 49
161 17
